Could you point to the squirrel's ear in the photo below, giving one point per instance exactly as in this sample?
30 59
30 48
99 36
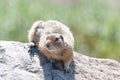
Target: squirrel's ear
61 37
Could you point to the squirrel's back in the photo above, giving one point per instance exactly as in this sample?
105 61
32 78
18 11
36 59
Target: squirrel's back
41 29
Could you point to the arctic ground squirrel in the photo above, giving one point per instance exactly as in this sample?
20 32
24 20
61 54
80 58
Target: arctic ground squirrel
54 40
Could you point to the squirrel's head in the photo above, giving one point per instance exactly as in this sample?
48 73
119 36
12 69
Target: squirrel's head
54 42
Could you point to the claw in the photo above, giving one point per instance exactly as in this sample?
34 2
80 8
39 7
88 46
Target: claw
67 70
50 60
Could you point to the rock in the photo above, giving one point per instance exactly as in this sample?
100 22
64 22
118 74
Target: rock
20 61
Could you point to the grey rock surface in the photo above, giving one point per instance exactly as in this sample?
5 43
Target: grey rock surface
20 61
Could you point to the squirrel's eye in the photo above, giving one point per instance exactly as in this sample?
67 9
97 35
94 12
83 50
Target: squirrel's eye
56 39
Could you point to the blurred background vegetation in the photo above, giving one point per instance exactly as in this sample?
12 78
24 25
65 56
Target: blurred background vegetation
95 23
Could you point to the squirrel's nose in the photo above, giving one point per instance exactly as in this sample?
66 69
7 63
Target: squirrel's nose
48 45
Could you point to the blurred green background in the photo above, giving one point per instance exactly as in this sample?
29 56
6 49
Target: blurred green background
95 23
